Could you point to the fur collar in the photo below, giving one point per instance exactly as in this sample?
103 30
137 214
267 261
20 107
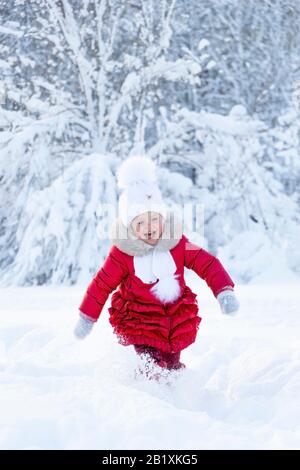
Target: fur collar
124 238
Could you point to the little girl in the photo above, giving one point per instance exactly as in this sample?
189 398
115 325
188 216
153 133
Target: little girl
153 309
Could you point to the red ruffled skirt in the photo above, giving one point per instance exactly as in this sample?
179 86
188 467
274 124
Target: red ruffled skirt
169 327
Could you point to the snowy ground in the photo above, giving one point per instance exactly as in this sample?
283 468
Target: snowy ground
241 388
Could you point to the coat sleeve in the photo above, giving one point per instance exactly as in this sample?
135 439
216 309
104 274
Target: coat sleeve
110 275
207 266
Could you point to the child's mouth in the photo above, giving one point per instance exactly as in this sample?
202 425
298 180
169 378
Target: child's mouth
150 235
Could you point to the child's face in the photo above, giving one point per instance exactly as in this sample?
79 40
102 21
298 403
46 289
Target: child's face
148 227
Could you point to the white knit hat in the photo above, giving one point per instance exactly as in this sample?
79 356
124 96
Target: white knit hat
136 177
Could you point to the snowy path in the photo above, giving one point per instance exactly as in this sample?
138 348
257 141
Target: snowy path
241 388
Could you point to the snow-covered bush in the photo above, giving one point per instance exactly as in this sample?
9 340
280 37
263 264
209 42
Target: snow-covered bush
61 235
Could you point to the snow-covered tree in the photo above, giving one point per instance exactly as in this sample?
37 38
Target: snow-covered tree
81 78
203 87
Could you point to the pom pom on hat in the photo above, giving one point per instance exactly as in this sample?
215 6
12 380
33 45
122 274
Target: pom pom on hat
135 170
136 177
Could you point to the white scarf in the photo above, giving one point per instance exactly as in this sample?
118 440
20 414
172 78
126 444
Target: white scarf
158 265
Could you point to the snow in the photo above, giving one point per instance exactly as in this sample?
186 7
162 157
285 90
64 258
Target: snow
225 124
209 106
259 260
4 30
202 44
55 217
240 390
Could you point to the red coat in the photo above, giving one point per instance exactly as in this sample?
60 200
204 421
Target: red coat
138 317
